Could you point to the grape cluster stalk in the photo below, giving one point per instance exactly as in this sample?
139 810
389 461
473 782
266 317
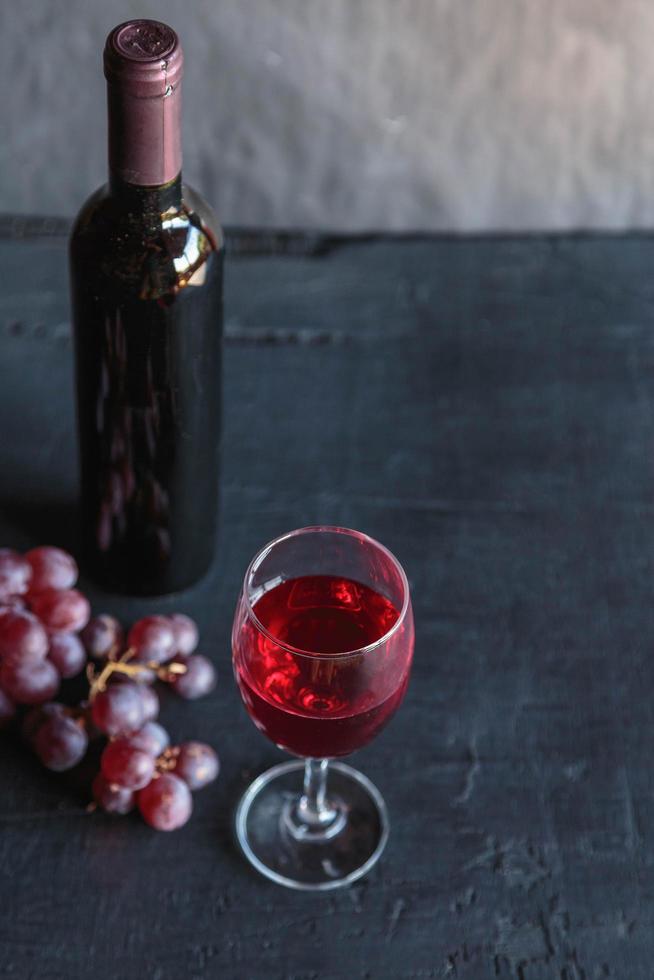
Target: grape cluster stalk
47 635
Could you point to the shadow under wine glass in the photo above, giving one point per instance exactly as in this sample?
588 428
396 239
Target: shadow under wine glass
322 646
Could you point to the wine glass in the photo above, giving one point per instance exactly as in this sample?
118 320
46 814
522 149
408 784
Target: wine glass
322 646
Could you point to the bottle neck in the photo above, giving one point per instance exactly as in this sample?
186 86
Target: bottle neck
145 146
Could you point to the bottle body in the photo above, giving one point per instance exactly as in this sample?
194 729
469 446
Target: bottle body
146 284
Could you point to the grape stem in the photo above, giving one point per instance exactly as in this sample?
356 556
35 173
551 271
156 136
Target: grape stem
166 761
98 681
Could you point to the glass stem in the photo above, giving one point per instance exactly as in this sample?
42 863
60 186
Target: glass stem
313 810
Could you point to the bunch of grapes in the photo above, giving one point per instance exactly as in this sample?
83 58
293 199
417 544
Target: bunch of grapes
157 648
143 770
41 615
46 634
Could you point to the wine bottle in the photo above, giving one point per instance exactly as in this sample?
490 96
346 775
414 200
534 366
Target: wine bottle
146 262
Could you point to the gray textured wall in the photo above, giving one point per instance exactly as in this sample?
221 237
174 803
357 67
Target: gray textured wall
355 114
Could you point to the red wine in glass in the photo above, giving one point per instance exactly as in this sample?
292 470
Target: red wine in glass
322 643
320 703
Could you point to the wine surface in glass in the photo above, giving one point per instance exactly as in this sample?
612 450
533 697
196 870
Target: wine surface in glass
306 702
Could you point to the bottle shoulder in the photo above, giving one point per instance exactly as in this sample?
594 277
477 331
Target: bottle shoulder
95 208
102 212
153 250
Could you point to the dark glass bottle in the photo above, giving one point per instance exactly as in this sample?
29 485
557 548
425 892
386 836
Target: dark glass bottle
146 259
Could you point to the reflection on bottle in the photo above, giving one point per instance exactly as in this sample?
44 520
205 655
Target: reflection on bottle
132 503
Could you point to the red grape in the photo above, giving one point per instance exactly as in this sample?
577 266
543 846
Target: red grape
125 764
102 636
65 610
166 803
60 742
186 634
15 573
92 729
67 654
28 683
52 568
150 702
197 764
119 709
199 679
22 638
35 717
152 639
112 798
152 738
7 710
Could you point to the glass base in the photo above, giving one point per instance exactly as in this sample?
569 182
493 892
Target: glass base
280 846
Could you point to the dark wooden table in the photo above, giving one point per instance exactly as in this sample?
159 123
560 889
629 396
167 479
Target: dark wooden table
486 408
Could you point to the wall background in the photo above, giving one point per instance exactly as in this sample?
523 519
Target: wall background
356 114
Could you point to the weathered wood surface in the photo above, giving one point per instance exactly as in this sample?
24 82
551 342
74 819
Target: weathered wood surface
485 407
